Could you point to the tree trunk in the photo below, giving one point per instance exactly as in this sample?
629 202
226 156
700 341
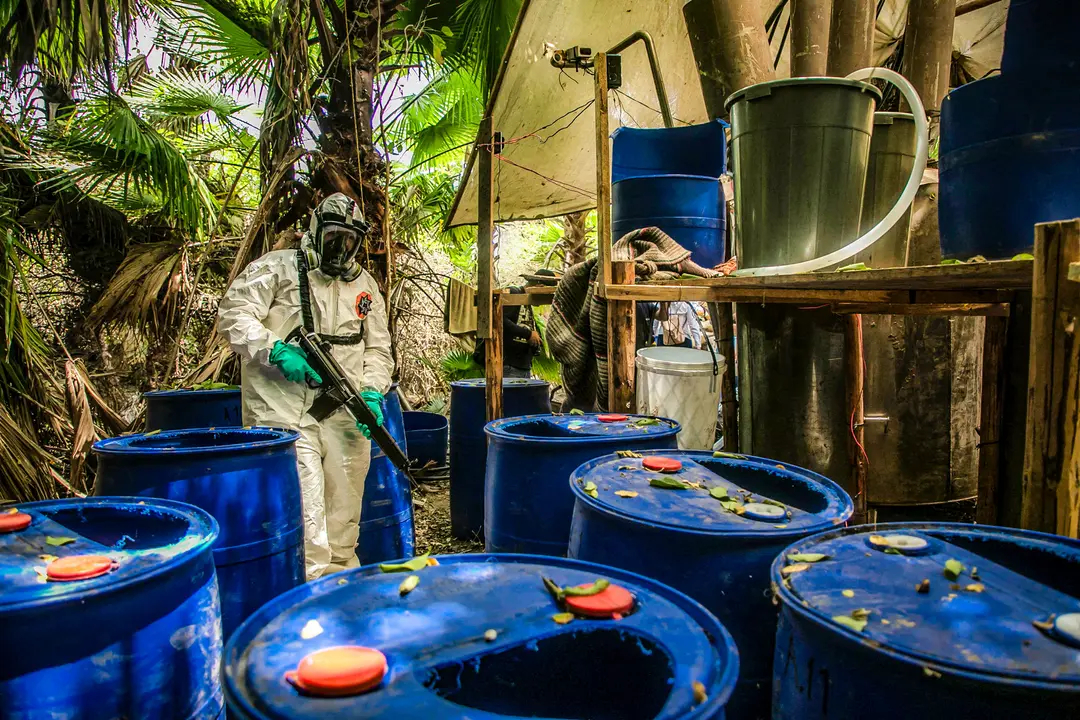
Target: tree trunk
574 238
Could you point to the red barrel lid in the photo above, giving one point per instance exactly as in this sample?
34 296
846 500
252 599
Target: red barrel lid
13 521
78 567
658 463
339 671
612 418
612 600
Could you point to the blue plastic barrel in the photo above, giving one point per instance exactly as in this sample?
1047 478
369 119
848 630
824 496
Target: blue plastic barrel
1000 639
716 551
246 478
476 639
1040 38
181 409
142 640
688 150
689 208
528 504
428 436
386 516
1010 158
468 443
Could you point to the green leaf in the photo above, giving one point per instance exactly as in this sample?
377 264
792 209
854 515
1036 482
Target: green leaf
575 411
728 456
563 618
719 493
796 568
553 589
646 422
732 506
1023 256
854 267
627 454
590 489
774 503
417 563
626 493
59 541
952 261
850 622
595 589
438 47
953 569
408 585
666 483
447 31
807 557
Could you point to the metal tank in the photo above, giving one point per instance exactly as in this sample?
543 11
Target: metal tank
387 529
927 620
109 609
181 409
246 478
710 527
481 636
468 443
528 504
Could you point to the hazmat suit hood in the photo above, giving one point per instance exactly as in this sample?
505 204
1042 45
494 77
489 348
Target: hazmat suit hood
333 238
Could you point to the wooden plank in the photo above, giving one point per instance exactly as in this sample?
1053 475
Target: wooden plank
533 295
621 347
485 233
990 417
603 175
724 331
854 383
493 367
1051 481
949 310
675 293
1007 274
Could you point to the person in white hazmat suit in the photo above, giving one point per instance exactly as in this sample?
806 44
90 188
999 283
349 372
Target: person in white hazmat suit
322 286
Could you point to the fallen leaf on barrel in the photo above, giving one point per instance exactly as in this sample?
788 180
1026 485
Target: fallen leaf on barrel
807 557
666 483
975 587
575 411
490 635
47 558
417 563
563 618
1046 625
796 568
595 589
408 585
590 489
848 593
59 541
850 622
728 456
626 493
923 587
953 569
628 454
860 613
700 695
719 493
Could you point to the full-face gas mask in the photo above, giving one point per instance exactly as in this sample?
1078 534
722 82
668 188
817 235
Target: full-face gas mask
337 229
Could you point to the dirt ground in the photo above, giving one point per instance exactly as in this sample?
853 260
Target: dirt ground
431 515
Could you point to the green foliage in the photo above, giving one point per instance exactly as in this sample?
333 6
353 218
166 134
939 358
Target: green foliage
459 365
61 37
442 117
182 101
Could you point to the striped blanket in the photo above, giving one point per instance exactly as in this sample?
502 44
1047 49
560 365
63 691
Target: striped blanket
577 328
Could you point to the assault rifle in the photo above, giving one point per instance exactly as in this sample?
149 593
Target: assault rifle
336 390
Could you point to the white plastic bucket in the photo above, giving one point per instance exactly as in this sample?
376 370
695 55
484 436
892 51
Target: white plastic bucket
682 384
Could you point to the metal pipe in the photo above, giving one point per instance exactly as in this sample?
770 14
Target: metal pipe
654 65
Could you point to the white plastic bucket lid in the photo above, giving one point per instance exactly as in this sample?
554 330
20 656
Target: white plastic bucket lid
678 359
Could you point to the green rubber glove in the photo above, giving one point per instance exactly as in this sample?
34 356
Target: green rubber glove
373 400
292 361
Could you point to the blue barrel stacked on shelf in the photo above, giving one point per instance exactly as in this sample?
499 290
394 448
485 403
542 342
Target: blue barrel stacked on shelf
670 178
476 639
181 409
246 478
468 443
528 504
109 609
428 438
941 620
1010 144
710 527
386 517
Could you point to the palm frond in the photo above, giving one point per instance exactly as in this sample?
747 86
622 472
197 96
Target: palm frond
147 289
443 115
181 100
459 365
61 37
231 38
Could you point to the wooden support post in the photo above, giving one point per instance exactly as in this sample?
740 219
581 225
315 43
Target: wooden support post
810 37
851 36
853 367
928 52
1051 482
493 365
723 322
488 328
990 416
621 345
603 176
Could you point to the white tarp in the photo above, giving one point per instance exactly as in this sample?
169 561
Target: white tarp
548 166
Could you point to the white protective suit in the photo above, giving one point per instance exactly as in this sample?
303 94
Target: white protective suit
261 307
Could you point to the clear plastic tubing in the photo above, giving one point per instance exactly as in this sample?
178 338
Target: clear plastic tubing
898 209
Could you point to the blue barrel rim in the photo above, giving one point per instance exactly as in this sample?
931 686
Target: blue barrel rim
507 382
188 512
124 445
715 631
673 176
418 414
791 603
847 506
499 429
181 392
